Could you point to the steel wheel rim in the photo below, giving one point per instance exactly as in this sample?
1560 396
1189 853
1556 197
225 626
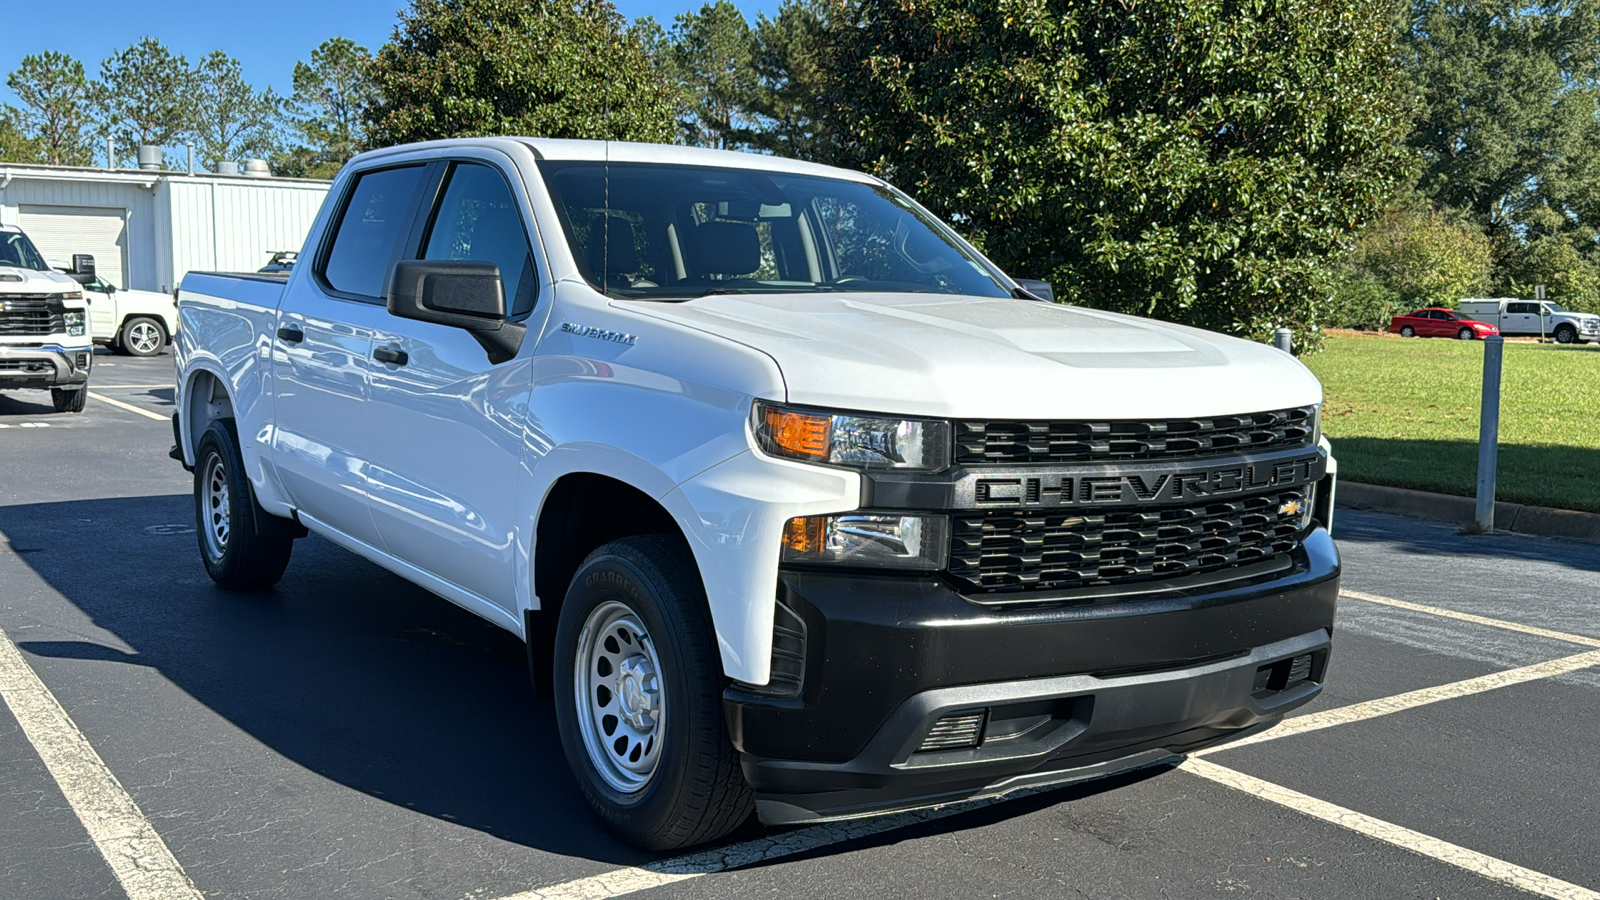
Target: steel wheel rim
620 697
215 506
144 338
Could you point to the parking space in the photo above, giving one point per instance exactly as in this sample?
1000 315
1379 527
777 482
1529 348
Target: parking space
350 735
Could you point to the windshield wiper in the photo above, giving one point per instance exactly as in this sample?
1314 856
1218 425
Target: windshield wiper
719 290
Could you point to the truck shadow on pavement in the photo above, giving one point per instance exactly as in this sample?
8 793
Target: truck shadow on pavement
345 670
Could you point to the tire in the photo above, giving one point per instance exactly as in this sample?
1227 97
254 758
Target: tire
683 786
69 401
1407 331
1566 334
1464 334
235 556
141 336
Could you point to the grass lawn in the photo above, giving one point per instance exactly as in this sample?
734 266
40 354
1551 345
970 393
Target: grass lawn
1404 412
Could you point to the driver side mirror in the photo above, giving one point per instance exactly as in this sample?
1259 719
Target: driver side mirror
1040 289
82 269
459 293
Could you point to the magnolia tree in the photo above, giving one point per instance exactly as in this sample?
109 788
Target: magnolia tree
1195 160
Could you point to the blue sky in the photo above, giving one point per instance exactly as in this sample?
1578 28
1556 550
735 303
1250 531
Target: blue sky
266 38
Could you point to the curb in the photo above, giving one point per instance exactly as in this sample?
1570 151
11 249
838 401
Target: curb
1508 517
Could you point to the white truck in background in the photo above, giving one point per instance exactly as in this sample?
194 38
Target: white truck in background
44 326
802 506
138 323
1525 318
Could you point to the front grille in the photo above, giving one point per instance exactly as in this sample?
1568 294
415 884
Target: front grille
30 314
1039 550
1113 440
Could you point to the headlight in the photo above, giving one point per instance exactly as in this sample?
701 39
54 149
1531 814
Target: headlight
74 322
853 439
868 539
70 295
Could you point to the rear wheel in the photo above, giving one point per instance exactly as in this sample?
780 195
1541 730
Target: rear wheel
638 693
235 555
1465 334
1407 331
142 336
1566 334
69 401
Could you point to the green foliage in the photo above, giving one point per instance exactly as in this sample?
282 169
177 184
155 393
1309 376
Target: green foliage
548 68
710 56
332 94
1196 160
792 66
231 119
1506 115
1423 257
1365 303
15 143
146 95
1569 278
58 107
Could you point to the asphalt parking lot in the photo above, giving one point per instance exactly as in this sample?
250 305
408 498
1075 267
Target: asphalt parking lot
351 736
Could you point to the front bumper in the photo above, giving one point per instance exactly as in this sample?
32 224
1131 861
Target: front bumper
1066 692
44 366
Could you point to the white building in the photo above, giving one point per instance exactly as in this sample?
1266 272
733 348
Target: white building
147 228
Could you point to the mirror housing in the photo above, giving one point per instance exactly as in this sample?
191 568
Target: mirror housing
1039 289
459 293
82 268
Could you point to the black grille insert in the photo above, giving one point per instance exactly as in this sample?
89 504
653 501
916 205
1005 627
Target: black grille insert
995 551
984 441
30 314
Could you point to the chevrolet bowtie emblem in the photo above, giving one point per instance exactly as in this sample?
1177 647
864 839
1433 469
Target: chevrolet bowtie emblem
1290 507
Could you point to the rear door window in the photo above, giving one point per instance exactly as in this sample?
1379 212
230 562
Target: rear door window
478 219
369 231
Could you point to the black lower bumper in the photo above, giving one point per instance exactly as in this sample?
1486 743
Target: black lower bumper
43 366
1063 692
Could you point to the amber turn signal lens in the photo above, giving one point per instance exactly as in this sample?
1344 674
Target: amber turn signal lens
798 434
804 535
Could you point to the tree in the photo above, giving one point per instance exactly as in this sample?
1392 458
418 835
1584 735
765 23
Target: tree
15 143
1197 160
1507 122
1424 256
232 118
711 55
550 68
332 94
792 64
147 95
58 106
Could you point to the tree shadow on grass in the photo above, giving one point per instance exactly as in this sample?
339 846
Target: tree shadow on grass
1535 474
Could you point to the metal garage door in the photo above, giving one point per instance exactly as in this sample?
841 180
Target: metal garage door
60 231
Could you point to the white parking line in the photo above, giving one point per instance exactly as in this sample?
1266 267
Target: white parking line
137 856
133 387
1371 709
129 407
1584 640
1477 863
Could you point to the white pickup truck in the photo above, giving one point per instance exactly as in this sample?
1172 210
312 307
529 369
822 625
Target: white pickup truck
44 327
1534 317
138 323
801 505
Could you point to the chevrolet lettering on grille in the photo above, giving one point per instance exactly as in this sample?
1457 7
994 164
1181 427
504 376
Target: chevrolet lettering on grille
1146 485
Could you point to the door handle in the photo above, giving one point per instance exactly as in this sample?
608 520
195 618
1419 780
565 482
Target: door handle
390 355
291 335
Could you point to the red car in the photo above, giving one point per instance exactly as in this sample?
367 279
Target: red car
1440 323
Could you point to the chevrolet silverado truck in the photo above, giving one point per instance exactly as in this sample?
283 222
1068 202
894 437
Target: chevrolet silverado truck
44 336
138 323
801 505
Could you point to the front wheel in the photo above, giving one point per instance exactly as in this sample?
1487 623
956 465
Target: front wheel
142 336
1407 331
69 401
235 555
1566 334
638 693
1464 334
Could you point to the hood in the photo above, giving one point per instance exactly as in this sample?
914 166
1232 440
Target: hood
32 281
967 357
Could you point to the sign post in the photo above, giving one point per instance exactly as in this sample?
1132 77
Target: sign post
1489 431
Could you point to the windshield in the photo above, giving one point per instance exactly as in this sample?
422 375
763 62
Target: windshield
1553 307
651 231
17 251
